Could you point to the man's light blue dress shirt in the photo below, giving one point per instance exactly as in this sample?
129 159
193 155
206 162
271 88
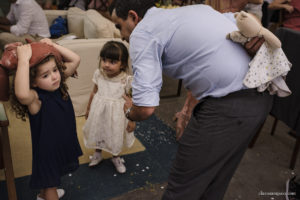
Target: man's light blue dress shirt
187 43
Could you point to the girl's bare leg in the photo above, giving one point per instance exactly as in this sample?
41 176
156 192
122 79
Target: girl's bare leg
50 194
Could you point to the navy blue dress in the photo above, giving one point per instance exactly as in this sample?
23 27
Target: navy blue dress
55 146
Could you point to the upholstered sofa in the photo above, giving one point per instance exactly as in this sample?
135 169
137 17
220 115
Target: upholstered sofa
85 24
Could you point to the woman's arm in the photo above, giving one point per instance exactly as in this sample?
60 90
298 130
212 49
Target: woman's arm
70 58
256 1
95 89
278 5
24 94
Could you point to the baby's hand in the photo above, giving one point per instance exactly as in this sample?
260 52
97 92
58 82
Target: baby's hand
288 8
47 41
24 52
130 126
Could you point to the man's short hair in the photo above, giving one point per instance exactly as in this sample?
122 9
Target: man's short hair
122 7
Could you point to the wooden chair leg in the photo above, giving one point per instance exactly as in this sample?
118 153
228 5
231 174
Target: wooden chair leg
295 154
274 126
7 164
179 87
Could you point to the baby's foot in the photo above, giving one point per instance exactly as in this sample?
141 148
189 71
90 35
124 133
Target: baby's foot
119 164
95 159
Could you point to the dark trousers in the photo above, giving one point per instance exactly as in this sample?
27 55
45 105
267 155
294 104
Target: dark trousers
213 144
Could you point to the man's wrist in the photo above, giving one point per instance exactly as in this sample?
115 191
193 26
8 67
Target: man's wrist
127 114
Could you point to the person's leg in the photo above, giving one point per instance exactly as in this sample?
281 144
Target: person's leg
51 194
119 164
96 158
213 144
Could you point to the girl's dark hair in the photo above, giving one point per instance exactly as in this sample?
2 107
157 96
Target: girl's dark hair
139 6
22 110
116 51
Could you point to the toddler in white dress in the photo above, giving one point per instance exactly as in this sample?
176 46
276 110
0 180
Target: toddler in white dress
106 127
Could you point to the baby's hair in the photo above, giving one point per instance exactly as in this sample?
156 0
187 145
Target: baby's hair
116 51
22 110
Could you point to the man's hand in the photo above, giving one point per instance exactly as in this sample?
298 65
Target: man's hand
182 121
128 102
130 126
288 8
253 45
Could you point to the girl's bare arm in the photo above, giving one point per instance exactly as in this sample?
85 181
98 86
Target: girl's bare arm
95 89
25 95
71 59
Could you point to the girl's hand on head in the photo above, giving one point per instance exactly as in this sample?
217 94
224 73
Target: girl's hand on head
288 8
24 52
47 41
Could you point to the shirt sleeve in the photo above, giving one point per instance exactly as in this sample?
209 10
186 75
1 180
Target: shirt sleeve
146 53
96 76
26 14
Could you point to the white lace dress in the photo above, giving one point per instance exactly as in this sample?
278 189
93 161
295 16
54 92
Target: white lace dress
106 125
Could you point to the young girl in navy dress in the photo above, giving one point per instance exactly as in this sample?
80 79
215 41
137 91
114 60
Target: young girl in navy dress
40 91
106 127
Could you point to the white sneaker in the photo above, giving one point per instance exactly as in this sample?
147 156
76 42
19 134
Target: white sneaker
60 193
118 163
95 159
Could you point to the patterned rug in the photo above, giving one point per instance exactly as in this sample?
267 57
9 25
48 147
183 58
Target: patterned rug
103 182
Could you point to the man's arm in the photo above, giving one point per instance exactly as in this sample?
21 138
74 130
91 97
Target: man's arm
136 113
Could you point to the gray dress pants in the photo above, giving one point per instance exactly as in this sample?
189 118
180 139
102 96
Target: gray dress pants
213 144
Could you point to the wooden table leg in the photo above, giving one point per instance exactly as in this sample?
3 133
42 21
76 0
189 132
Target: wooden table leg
7 164
6 155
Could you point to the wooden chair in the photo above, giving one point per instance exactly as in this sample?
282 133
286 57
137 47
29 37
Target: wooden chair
5 155
287 109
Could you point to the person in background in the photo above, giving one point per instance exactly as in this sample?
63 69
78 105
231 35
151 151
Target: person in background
291 12
178 2
40 92
66 4
255 8
102 6
175 42
26 19
48 4
106 127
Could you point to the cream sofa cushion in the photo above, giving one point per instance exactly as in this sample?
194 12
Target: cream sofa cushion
75 18
97 26
89 51
53 14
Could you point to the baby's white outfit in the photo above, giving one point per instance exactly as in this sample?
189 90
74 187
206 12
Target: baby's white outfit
267 69
106 125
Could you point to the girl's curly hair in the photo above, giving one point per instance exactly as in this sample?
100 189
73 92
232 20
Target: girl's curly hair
22 110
